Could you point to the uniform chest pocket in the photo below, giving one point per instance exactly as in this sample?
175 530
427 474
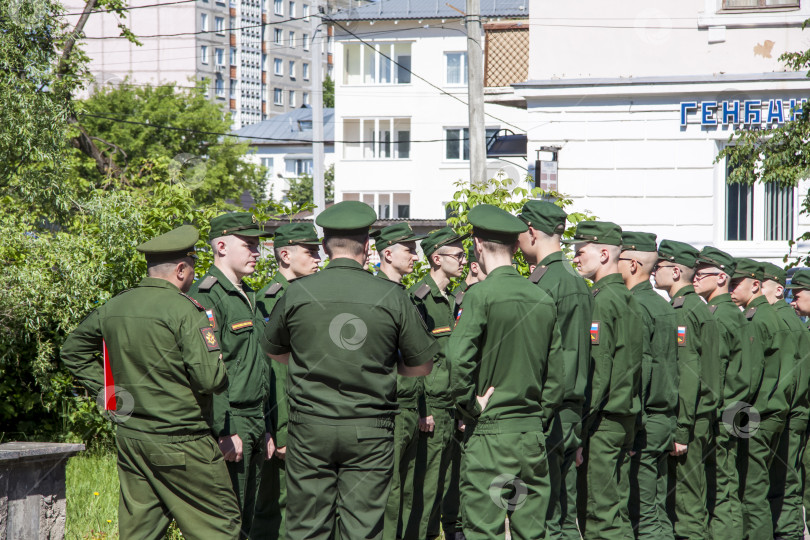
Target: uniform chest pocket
241 327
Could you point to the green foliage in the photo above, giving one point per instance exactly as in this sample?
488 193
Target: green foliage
328 92
301 193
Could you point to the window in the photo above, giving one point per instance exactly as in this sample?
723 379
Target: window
203 22
759 213
204 54
457 143
759 4
219 55
377 138
292 98
305 73
456 68
278 66
219 25
204 81
220 88
298 167
292 39
278 96
278 7
292 69
233 56
267 163
305 98
305 9
277 36
739 212
778 213
292 10
305 41
232 93
382 202
385 63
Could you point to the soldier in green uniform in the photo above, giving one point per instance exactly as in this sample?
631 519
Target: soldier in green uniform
711 281
151 349
344 334
230 304
800 286
612 395
699 388
396 246
771 392
659 390
552 272
295 246
785 494
445 255
507 378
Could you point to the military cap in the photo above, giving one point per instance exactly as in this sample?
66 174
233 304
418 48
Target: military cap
291 234
597 232
748 268
241 223
394 234
347 218
175 244
494 224
719 259
440 237
774 273
678 253
544 216
800 280
638 241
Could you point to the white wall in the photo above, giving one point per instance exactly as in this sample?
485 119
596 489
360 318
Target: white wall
276 186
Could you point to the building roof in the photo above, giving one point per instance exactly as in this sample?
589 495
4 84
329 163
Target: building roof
289 128
430 9
664 80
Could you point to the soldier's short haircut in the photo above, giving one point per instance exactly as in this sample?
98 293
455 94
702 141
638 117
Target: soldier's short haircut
353 246
687 273
162 267
277 250
496 247
646 258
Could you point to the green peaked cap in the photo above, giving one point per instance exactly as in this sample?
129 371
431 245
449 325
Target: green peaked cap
175 244
291 234
800 280
495 224
394 234
241 223
719 259
748 268
439 238
544 216
597 232
678 252
774 273
638 241
347 218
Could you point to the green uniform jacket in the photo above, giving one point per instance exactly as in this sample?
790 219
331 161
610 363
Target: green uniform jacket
237 324
343 328
737 351
436 310
506 336
699 363
277 413
800 405
574 314
659 369
616 352
161 351
775 388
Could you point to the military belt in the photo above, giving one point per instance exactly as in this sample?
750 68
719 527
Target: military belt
386 421
250 410
508 425
123 431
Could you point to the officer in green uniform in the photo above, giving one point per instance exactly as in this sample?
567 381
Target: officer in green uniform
659 390
396 246
445 255
785 494
160 364
553 273
711 281
699 388
771 392
800 286
230 304
344 334
612 395
507 378
295 246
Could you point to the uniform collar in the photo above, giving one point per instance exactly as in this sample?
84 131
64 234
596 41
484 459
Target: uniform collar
609 279
344 262
505 270
158 282
643 286
557 256
279 278
758 301
683 291
226 283
721 299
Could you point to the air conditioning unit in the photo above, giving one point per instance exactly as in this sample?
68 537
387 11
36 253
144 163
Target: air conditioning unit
221 67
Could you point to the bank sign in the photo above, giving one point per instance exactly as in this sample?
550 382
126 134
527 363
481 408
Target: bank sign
748 112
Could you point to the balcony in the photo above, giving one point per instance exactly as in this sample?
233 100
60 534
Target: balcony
233 72
233 40
506 57
264 77
233 104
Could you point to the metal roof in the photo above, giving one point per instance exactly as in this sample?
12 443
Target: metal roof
430 9
289 128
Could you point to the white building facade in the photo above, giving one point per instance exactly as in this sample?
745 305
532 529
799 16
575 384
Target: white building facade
640 100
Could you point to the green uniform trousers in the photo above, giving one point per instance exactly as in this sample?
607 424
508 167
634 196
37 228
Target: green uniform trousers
723 487
648 479
805 474
564 438
605 473
166 477
504 475
687 483
757 457
400 503
451 503
340 468
271 503
785 494
245 474
438 445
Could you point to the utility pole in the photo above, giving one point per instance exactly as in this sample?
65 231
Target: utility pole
475 90
316 48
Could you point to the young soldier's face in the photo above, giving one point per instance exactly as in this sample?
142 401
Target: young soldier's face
801 301
304 260
742 290
587 259
663 274
705 280
241 254
525 245
452 258
402 257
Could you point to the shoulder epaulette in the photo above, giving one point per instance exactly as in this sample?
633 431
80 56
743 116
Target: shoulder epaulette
273 289
190 299
678 302
594 292
207 283
712 309
422 291
750 313
459 297
537 275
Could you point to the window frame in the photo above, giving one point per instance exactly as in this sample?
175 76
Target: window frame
219 26
370 69
278 7
278 67
278 96
394 148
204 54
463 69
203 22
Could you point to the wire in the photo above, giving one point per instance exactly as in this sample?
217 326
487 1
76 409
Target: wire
223 31
126 8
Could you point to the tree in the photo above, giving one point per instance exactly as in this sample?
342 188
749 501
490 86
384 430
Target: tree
328 92
301 193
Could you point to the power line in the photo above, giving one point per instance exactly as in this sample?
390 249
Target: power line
92 11
224 30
